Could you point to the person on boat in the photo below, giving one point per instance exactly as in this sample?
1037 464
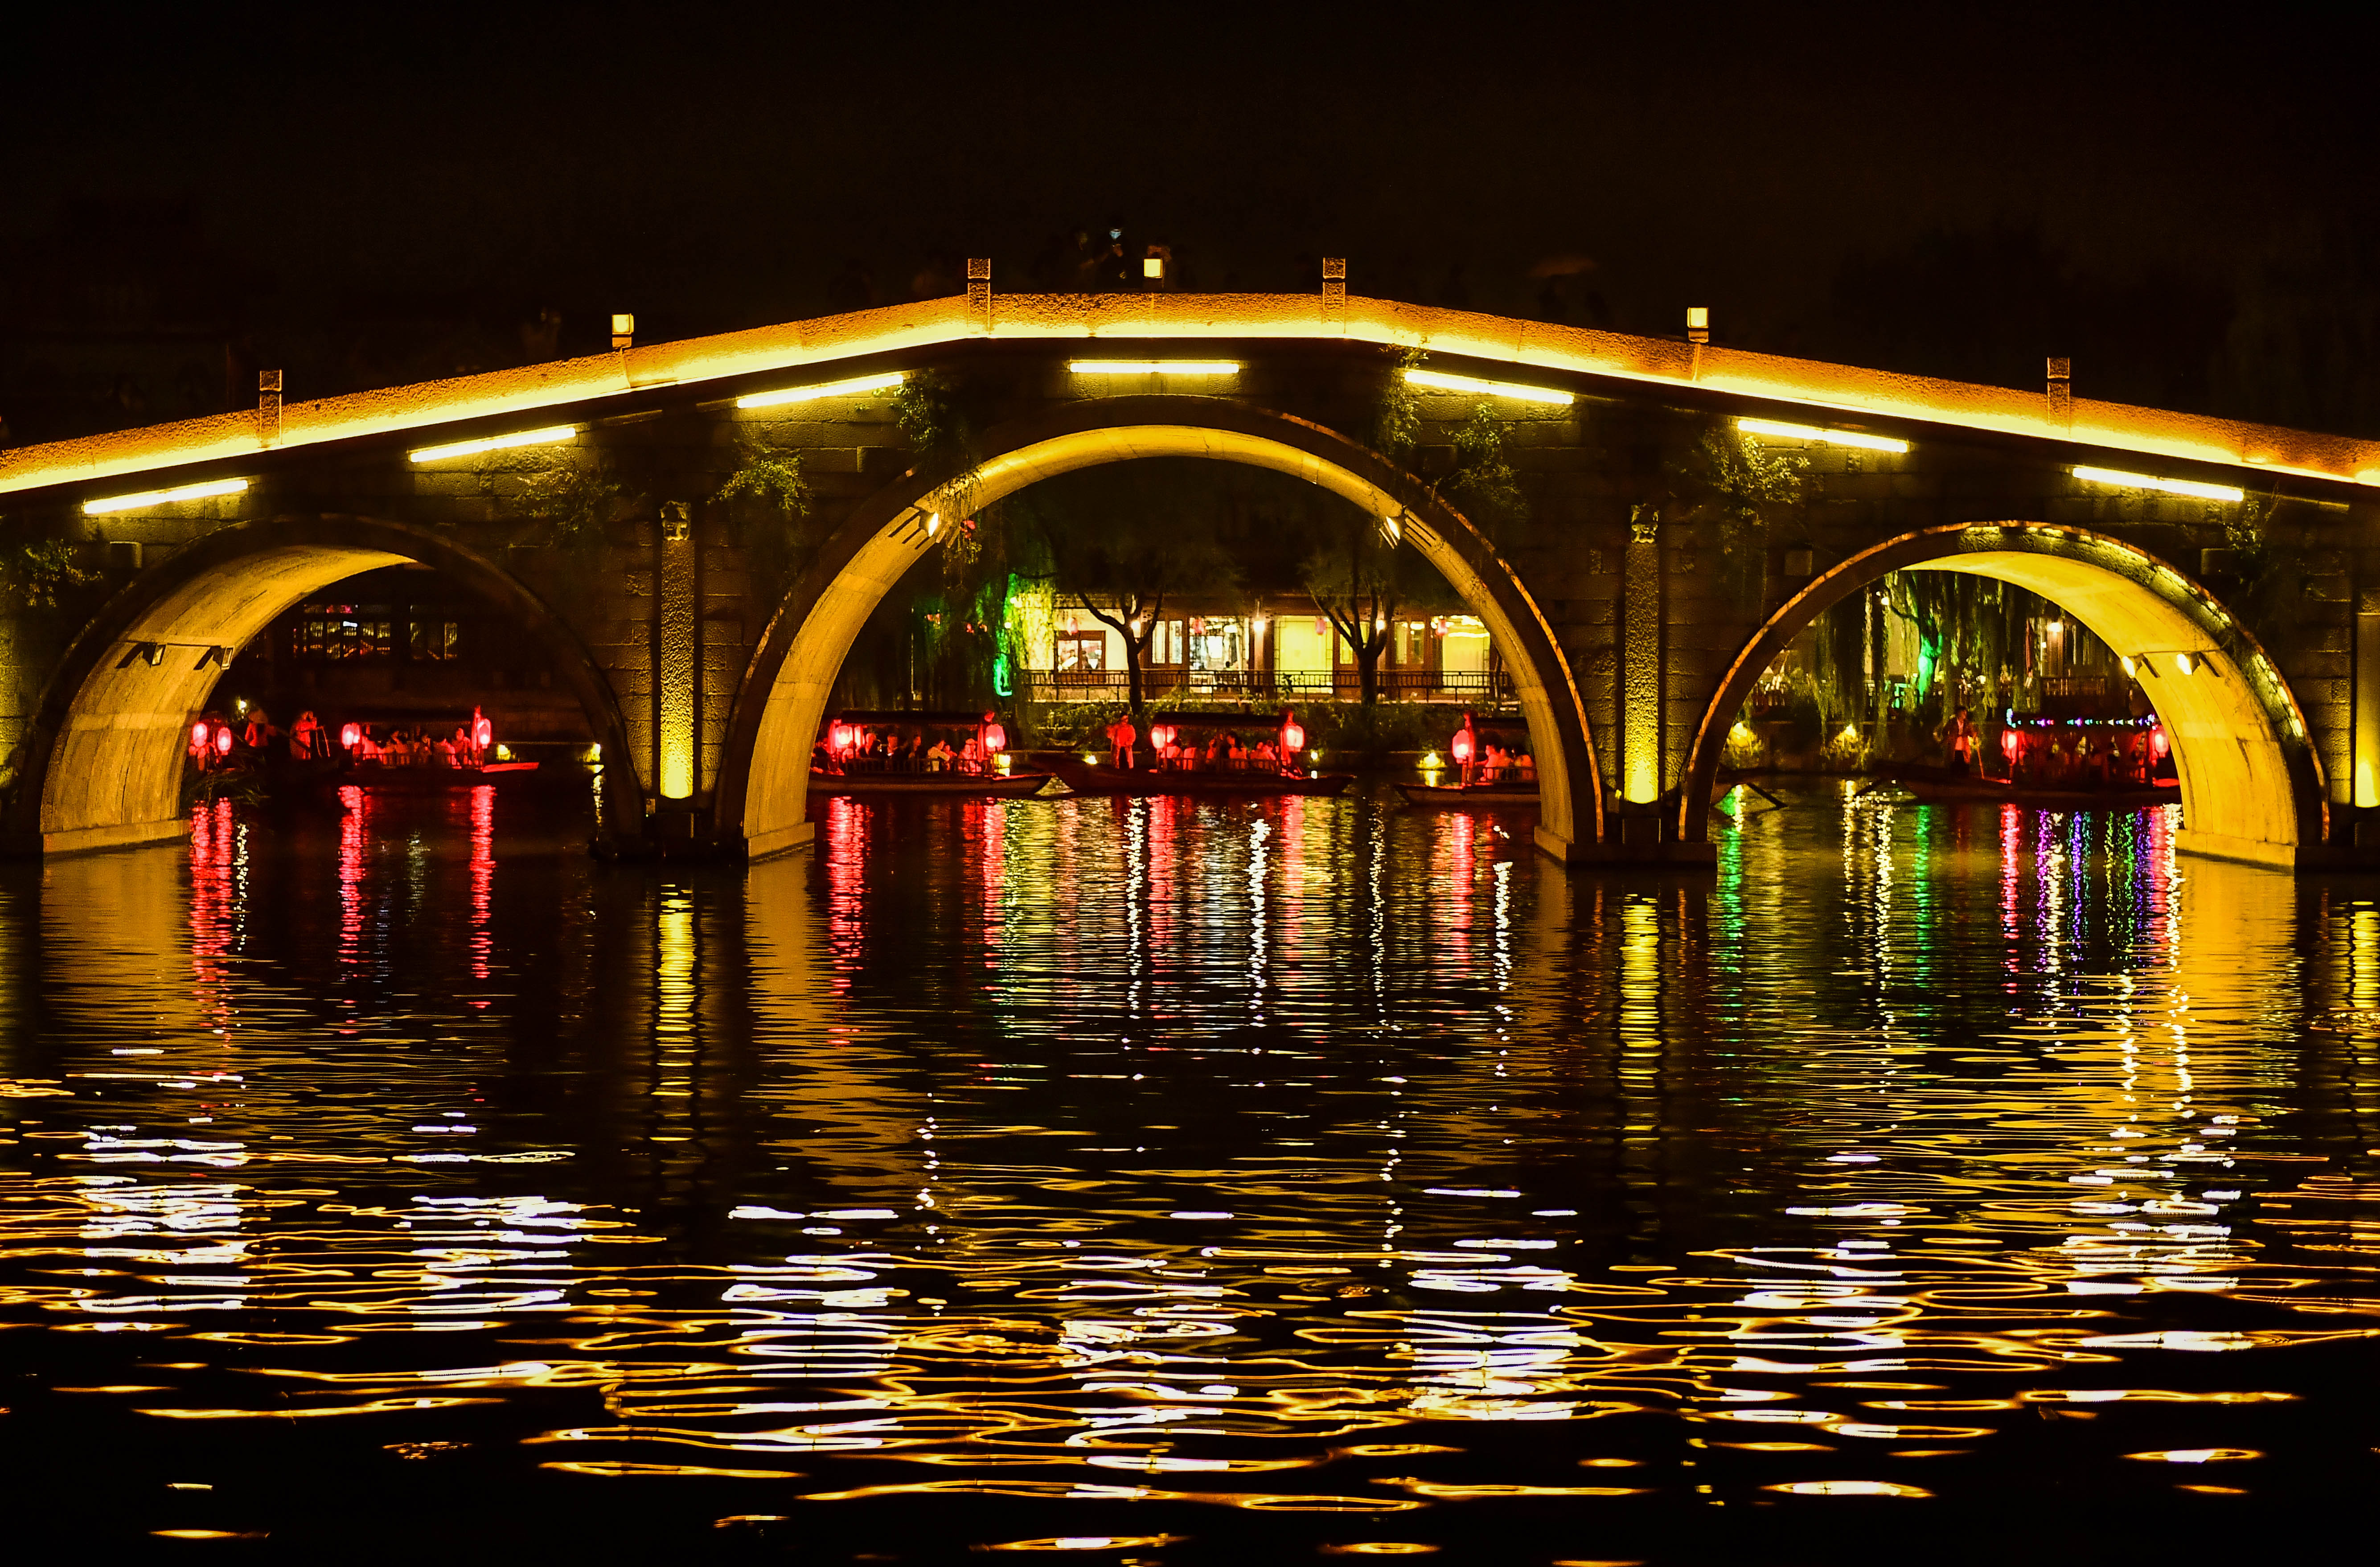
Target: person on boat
366 747
471 732
1526 765
262 732
1264 757
442 753
1122 737
938 760
1962 738
305 737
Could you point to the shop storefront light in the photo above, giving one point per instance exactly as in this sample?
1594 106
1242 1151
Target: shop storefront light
851 388
553 435
1438 381
2190 487
164 497
1823 437
1153 367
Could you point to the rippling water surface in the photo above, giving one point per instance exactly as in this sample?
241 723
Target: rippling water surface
1180 1182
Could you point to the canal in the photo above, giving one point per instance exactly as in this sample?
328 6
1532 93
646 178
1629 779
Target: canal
1184 1181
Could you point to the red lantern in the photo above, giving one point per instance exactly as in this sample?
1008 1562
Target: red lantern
838 738
223 740
483 733
1461 746
2009 743
199 735
1292 734
995 738
2157 742
1160 736
352 736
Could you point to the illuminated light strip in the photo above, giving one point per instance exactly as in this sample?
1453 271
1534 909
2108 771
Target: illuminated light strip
1827 437
1153 367
1438 381
554 435
796 348
2190 487
856 386
164 497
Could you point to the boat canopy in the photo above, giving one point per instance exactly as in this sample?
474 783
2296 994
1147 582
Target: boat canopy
1248 721
924 720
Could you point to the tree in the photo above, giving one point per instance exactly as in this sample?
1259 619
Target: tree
767 500
1733 480
1126 540
1481 480
1362 575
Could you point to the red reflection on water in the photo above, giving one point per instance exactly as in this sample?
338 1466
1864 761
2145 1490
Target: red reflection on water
214 892
842 848
1455 860
353 804
2157 869
1292 924
2012 839
1164 854
483 879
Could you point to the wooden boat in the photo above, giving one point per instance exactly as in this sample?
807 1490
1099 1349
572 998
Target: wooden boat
931 785
1455 796
1941 786
1098 778
413 780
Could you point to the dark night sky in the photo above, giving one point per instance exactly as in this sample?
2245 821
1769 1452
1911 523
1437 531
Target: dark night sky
1956 190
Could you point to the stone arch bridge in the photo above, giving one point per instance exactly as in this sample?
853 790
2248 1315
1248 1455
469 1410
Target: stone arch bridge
1634 623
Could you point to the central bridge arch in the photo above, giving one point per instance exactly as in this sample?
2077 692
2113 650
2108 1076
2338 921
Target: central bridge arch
764 775
2252 786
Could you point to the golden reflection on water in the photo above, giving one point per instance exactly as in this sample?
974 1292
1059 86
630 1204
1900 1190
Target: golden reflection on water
1118 1152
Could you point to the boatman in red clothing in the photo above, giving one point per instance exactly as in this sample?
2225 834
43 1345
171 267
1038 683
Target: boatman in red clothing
1961 736
1122 736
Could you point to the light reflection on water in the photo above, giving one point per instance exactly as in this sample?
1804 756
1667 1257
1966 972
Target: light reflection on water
1313 1174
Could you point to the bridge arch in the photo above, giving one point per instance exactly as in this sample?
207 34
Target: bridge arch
764 774
2252 786
101 765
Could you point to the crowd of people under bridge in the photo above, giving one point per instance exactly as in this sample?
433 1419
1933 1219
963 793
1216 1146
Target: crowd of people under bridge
215 742
895 750
1223 751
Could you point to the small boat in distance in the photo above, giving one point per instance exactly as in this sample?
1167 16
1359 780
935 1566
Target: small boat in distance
1489 774
1455 795
1098 778
896 752
427 778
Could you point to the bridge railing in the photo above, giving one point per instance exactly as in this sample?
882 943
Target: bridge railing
1487 687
